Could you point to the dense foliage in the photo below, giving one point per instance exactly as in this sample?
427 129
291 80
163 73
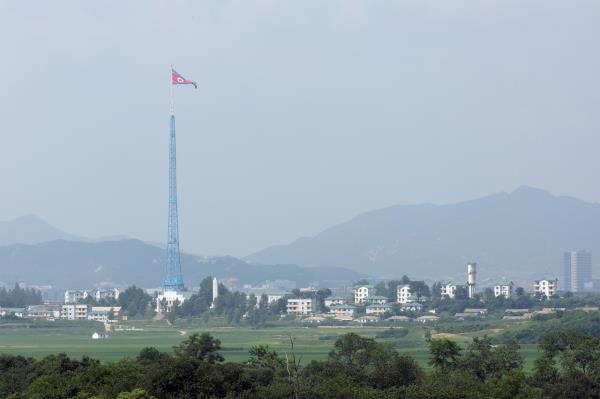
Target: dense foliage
19 297
357 367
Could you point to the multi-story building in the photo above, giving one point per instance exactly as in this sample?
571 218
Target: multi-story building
74 296
577 270
362 291
348 310
545 287
448 290
301 306
104 313
77 311
379 308
106 293
403 294
504 288
375 300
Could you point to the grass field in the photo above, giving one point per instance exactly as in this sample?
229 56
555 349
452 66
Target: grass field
74 339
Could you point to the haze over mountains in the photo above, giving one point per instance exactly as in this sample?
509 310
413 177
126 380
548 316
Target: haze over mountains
522 233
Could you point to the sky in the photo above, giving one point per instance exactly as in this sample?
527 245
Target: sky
307 113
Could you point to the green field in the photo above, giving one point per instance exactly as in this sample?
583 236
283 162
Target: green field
73 338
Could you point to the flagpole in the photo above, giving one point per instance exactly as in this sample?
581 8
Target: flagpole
172 104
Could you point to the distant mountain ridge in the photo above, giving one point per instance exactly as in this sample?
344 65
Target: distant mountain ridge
520 233
31 229
77 264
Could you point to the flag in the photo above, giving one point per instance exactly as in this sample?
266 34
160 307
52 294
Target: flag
177 79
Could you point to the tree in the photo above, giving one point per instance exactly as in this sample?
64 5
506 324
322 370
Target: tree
137 393
200 347
419 289
353 350
444 354
134 300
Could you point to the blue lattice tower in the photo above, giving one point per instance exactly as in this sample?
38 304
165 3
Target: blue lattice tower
173 279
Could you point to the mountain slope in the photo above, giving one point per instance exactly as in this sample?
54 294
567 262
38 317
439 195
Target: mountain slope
30 229
516 234
68 264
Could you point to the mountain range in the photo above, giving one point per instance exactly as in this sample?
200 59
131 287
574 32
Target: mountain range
519 234
78 264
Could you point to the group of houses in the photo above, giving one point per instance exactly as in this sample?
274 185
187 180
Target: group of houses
364 297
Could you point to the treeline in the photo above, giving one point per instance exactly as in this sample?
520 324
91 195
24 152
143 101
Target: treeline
19 297
356 367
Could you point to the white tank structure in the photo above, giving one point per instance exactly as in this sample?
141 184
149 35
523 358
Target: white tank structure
472 278
215 291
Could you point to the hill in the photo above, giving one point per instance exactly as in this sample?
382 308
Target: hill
30 229
74 264
522 233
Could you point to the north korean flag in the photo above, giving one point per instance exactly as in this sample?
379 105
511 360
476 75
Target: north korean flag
177 79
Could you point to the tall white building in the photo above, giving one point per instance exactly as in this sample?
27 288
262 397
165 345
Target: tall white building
504 288
578 270
546 287
363 291
75 311
403 294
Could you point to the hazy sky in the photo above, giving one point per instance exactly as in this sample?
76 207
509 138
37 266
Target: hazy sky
307 112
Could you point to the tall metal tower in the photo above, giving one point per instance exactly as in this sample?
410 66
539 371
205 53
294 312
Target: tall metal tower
173 280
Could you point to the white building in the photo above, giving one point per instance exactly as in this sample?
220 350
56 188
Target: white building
106 293
404 295
167 299
74 296
448 290
504 288
362 291
79 311
348 310
301 306
379 308
375 299
103 313
545 287
334 300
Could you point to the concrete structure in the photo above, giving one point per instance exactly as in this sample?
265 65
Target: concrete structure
471 278
379 308
448 290
362 291
577 269
545 288
43 311
301 306
504 288
167 299
215 293
411 307
348 310
403 294
106 293
74 296
79 311
103 313
375 299
334 300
